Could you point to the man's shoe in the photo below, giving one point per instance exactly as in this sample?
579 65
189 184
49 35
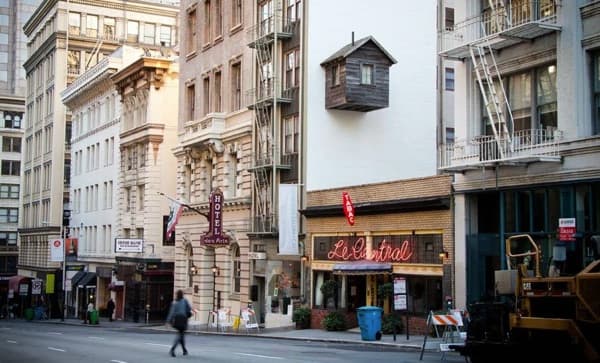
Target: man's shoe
172 353
185 352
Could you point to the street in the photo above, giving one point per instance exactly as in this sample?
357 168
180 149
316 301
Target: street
22 341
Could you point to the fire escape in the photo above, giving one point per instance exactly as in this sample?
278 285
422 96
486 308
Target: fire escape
266 38
502 24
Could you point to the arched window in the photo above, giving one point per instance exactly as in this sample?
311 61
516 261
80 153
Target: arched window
236 268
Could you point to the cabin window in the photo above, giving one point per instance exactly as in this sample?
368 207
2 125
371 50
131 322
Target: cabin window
366 74
335 75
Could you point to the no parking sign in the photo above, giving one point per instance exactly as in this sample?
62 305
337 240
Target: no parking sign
57 247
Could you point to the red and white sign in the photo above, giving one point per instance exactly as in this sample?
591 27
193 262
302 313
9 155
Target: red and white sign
215 236
348 208
57 248
343 251
566 229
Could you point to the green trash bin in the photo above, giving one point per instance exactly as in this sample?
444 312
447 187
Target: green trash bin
29 313
94 317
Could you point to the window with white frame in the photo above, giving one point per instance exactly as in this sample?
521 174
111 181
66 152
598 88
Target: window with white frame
11 167
149 33
290 135
11 144
91 26
292 69
165 35
133 31
449 79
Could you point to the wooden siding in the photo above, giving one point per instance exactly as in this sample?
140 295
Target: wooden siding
351 94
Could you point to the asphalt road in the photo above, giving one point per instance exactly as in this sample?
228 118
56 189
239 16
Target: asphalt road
26 342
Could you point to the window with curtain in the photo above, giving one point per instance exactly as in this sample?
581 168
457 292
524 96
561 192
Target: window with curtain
74 23
519 98
546 98
366 74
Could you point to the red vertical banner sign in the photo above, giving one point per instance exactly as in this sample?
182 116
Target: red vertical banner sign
348 208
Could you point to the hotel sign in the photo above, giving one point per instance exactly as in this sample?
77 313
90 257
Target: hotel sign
215 236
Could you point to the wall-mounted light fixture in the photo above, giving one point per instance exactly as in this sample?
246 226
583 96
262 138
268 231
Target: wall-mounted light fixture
304 258
193 269
443 255
215 270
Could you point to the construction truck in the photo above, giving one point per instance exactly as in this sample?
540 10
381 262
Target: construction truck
548 319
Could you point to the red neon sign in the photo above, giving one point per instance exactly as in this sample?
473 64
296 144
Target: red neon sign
358 251
348 208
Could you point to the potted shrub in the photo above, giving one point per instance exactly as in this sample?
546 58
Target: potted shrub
334 321
301 317
392 323
329 289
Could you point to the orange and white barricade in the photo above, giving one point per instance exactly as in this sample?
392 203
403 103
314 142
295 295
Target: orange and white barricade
451 324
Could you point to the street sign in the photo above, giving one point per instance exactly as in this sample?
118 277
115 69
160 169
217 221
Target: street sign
56 249
36 287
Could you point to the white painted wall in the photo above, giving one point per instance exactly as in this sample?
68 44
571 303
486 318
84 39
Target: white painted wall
351 148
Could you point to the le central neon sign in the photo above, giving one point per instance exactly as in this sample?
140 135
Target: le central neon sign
358 251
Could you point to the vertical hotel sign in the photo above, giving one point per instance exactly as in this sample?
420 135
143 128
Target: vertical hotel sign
215 236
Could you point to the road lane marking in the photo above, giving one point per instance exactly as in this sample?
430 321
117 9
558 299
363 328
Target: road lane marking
56 349
258 355
117 361
159 345
12 341
97 338
54 333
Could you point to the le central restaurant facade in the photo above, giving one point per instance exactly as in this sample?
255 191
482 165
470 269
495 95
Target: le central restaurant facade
401 229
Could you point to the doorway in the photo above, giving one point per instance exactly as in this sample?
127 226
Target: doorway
357 291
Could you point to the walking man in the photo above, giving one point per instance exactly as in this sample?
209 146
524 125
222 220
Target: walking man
178 317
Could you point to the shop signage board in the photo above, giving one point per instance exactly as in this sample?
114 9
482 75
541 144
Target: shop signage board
23 288
257 255
400 298
215 236
348 208
566 229
129 245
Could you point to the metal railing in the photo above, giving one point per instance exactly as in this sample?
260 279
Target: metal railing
491 22
267 90
269 26
525 144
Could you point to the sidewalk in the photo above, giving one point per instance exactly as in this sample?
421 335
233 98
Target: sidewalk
352 336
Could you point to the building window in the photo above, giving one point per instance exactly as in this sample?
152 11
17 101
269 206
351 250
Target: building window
189 253
207 22
449 18
8 238
206 95
109 28
191 36
292 69
236 86
74 23
91 26
236 269
519 98
290 135
191 101
149 33
140 196
73 62
11 167
596 89
165 35
142 154
217 92
9 215
11 144
9 191
335 75
546 99
218 18
449 135
133 31
12 120
293 10
449 79
127 199
236 12
366 74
